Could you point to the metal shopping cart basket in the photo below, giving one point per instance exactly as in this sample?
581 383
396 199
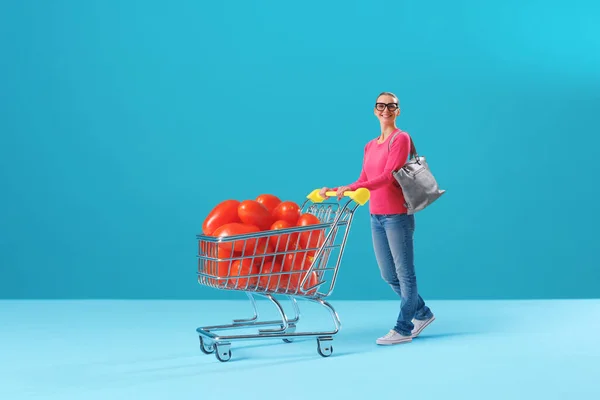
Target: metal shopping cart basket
300 262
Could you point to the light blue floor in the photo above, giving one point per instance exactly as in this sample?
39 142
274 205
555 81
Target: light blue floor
149 350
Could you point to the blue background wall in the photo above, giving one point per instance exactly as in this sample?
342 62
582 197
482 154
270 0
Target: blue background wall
123 122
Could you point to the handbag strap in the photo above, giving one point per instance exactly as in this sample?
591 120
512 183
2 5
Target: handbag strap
413 150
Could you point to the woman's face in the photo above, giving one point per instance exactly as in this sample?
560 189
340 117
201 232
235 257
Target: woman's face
386 109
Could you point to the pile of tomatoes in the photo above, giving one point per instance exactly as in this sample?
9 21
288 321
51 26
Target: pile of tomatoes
256 254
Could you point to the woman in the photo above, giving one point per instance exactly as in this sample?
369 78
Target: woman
391 227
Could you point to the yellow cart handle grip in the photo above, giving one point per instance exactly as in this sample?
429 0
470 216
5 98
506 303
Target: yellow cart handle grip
361 195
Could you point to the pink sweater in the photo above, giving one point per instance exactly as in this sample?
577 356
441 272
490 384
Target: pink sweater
376 174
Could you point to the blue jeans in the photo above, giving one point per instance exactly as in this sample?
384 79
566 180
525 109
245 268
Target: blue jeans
394 252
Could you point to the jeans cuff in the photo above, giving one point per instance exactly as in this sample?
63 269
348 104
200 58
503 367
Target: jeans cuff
424 317
403 333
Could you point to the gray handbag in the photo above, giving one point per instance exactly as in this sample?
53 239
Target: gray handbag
418 185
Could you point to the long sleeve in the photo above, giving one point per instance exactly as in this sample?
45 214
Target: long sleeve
398 153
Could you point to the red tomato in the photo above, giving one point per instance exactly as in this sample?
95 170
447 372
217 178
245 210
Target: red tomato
210 249
240 268
297 262
287 211
312 239
283 242
266 281
264 247
281 285
240 245
269 201
223 213
307 219
297 277
253 213
295 265
311 281
217 269
205 247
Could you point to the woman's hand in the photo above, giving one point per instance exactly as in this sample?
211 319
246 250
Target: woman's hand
323 191
341 190
339 193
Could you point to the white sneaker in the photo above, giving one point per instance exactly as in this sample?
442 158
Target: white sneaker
393 337
420 325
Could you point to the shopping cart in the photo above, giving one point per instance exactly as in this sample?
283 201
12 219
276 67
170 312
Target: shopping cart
300 262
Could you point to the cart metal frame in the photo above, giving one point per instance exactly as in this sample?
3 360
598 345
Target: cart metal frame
215 270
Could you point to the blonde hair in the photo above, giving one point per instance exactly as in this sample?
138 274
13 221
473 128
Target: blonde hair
389 94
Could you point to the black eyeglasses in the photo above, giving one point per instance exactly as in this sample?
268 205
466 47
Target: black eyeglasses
390 106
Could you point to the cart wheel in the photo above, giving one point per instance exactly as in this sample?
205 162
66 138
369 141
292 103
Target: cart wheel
223 352
324 346
206 349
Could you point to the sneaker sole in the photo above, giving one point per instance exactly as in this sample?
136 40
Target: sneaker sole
414 335
386 343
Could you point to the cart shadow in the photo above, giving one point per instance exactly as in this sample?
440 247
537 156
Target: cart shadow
274 354
284 350
432 336
240 362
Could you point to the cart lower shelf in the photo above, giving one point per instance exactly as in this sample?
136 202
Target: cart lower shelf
284 328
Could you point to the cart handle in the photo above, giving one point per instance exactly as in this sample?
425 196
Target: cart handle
361 195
